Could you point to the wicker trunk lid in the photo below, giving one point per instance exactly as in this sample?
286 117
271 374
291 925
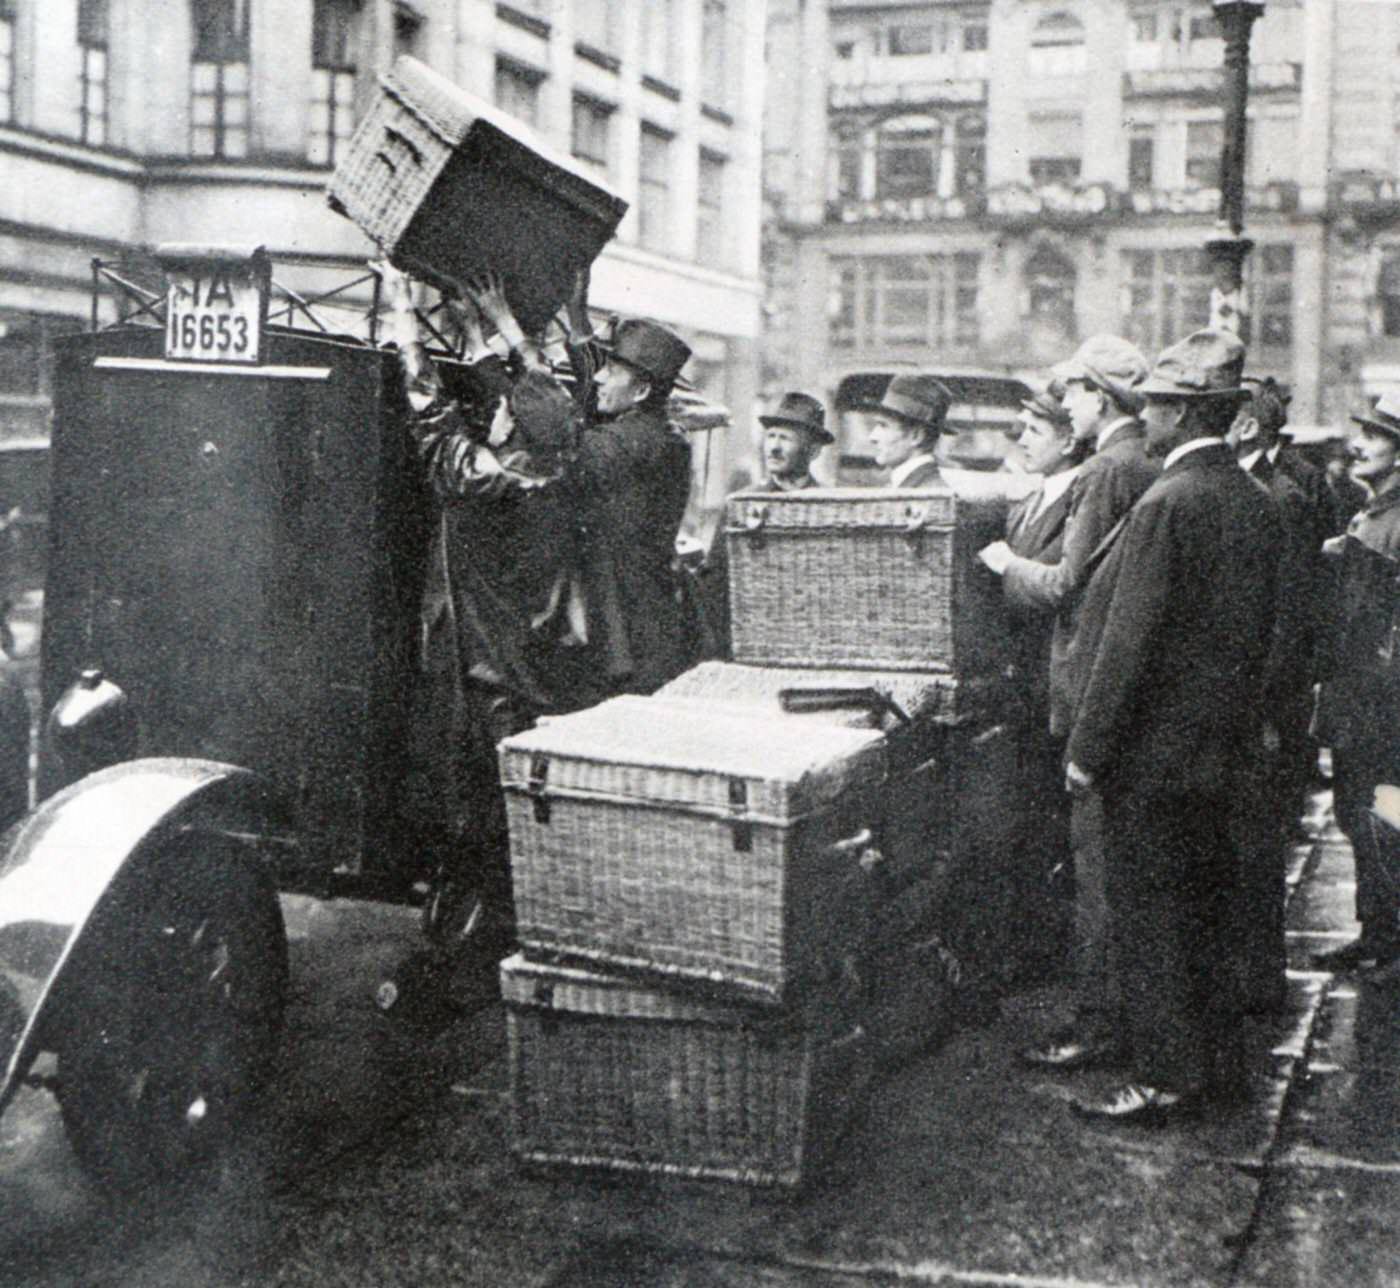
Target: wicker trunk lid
697 845
609 1072
868 578
449 186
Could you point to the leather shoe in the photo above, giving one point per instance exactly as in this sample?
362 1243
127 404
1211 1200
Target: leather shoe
1138 1105
1070 1053
1358 954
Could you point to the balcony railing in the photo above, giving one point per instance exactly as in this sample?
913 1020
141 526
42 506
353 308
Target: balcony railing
1201 82
1056 204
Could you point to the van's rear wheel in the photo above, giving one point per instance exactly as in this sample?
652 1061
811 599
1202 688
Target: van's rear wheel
173 1022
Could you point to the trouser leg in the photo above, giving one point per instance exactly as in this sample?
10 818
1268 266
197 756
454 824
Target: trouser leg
1172 895
1355 775
1097 998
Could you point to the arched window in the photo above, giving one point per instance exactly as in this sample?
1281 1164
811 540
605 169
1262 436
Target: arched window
1050 283
908 153
1057 45
219 78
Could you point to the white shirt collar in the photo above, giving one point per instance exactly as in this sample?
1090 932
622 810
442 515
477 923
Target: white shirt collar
1247 463
904 470
1110 429
1194 445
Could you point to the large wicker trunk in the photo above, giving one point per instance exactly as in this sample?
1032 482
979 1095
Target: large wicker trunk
608 1072
867 578
695 845
449 186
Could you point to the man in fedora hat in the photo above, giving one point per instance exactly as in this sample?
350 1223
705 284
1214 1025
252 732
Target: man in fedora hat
904 427
1173 694
1101 397
1358 712
793 436
634 472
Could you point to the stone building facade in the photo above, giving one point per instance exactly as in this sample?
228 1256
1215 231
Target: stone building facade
980 184
128 123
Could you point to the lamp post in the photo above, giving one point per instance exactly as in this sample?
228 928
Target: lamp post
1228 251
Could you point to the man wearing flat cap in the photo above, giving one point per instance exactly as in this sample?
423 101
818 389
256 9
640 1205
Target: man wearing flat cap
794 434
634 472
1173 694
904 426
1358 712
1101 383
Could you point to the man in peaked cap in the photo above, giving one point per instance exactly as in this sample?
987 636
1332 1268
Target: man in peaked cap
1173 694
1101 396
904 427
634 473
1359 703
793 436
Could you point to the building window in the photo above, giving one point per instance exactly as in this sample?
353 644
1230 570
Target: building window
1389 291
1167 295
7 60
26 368
594 24
658 28
1055 142
1204 139
654 175
975 37
1142 149
219 79
714 87
847 159
904 301
907 156
92 72
1272 289
1175 36
334 43
970 160
1050 284
1057 46
709 218
518 90
592 131
905 41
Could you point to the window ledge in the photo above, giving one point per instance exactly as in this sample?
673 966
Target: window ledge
664 88
525 21
716 114
598 57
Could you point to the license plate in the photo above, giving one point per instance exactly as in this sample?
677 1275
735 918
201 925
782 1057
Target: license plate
215 314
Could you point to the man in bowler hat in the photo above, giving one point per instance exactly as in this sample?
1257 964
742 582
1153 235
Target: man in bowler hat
904 427
1358 712
633 469
794 434
1173 696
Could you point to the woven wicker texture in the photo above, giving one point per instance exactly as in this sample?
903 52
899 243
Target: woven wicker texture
640 841
864 578
603 1075
626 749
928 696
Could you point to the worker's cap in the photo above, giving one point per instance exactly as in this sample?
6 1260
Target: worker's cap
1110 363
1207 364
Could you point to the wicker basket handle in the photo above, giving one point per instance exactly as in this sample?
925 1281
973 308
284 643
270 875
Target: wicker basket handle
915 519
756 518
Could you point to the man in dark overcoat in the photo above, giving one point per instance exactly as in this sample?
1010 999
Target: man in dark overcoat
633 474
1174 693
1101 382
1358 712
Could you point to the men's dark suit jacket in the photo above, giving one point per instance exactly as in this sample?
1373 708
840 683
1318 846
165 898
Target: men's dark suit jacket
1175 689
635 472
1107 485
1039 537
927 475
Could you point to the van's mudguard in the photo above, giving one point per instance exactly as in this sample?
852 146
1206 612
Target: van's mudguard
89 844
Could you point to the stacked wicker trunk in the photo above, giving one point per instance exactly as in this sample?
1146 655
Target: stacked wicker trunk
708 881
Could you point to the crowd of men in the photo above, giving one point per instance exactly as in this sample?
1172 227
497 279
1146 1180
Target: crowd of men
1179 588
